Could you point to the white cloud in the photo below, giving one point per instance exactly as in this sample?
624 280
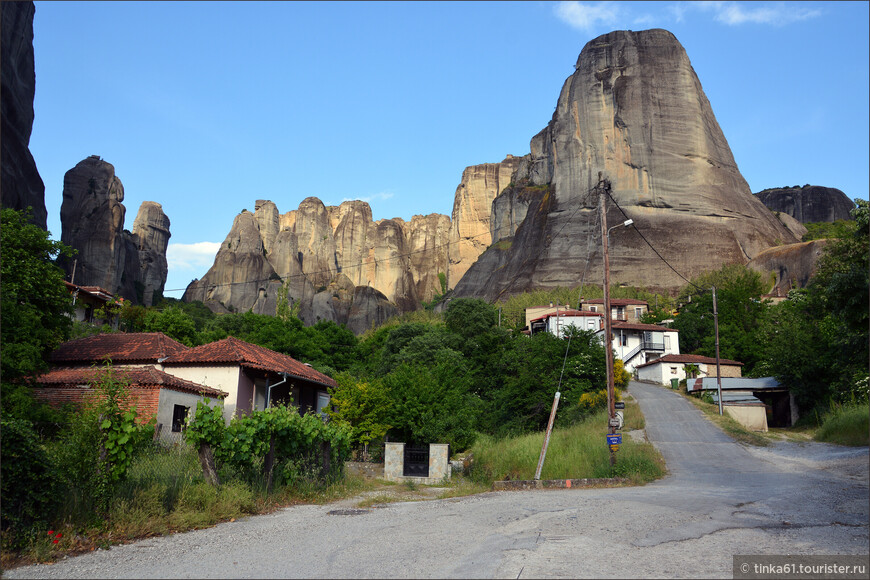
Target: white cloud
587 16
382 196
777 14
191 256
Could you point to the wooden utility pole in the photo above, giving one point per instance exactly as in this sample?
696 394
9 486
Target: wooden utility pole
716 329
603 188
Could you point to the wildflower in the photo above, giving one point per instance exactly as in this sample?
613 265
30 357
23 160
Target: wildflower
50 532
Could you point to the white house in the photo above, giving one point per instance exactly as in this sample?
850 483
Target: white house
673 366
556 322
623 309
636 344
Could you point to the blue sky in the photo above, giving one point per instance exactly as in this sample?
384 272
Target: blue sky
206 107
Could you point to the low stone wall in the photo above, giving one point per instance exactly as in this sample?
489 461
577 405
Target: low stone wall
439 464
556 483
364 469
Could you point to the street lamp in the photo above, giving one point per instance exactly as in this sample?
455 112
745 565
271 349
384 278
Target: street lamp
626 223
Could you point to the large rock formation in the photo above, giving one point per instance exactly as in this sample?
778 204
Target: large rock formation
472 206
809 204
634 111
790 266
334 263
92 222
21 184
151 234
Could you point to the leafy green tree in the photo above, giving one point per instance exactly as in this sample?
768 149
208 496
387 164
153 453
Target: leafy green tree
817 342
433 404
174 323
34 303
531 370
740 308
365 405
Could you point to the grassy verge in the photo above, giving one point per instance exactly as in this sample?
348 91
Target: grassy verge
725 422
576 452
846 425
152 503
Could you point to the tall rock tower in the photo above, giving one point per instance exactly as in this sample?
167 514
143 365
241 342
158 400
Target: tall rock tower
633 110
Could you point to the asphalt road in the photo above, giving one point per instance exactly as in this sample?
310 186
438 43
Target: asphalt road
720 499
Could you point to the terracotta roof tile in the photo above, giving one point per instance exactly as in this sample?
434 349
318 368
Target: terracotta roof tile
617 301
232 350
569 313
639 326
690 359
141 347
135 376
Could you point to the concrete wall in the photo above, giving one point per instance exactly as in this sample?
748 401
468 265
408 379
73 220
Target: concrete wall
752 417
166 406
225 378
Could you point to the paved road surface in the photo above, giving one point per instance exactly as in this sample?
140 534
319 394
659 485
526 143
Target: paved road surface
719 500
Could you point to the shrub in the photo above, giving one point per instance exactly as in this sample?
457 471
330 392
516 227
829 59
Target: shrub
27 477
846 425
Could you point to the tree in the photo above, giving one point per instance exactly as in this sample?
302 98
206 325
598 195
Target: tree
365 405
740 308
34 303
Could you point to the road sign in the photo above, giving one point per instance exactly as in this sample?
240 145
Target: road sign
619 405
614 439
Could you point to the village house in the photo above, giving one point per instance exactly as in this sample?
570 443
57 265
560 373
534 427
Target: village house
622 309
636 344
673 366
557 322
86 300
166 378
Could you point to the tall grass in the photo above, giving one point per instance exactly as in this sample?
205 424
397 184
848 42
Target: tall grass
576 452
846 425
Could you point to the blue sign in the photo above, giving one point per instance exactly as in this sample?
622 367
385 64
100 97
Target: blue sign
614 439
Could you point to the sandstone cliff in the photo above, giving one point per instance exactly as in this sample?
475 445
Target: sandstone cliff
21 184
334 262
809 204
791 266
472 206
635 111
92 222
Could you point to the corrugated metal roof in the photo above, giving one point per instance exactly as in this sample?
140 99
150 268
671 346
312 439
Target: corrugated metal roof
733 383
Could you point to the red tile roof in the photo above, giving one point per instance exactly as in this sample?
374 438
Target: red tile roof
126 347
234 351
568 313
638 326
691 359
617 302
134 376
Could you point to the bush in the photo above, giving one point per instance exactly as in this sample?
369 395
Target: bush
27 478
846 425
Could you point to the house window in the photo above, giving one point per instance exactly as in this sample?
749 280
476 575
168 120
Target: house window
592 324
593 309
667 342
179 416
638 312
673 370
623 339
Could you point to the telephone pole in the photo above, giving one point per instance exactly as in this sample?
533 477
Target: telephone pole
603 188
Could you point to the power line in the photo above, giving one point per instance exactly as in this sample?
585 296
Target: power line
640 233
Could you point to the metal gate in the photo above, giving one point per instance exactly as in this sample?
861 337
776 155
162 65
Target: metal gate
416 461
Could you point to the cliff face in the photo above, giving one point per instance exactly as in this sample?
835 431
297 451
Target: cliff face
809 204
472 207
634 110
22 185
791 266
92 222
335 262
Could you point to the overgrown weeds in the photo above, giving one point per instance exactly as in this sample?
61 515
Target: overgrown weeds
576 452
846 425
